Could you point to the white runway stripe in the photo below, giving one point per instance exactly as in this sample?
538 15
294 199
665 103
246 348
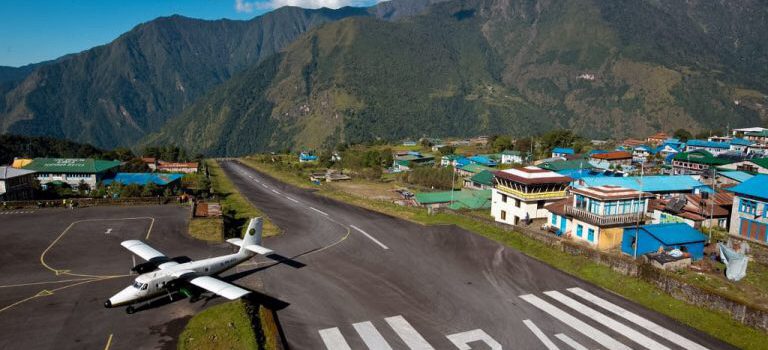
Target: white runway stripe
369 236
570 342
612 324
333 339
637 319
583 328
371 337
275 191
408 334
539 334
292 200
319 211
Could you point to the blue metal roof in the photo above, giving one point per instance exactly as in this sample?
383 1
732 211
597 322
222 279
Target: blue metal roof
482 160
739 176
671 234
709 144
741 142
754 187
462 162
563 150
144 178
654 183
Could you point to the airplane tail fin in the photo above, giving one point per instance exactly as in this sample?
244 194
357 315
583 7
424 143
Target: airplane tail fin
251 242
253 233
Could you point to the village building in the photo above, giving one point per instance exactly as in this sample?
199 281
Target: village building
19 163
611 160
512 157
597 215
178 167
696 210
480 181
643 154
715 148
410 160
650 239
16 184
740 145
749 216
696 162
659 185
562 152
760 137
757 165
306 157
455 200
657 139
143 179
472 169
72 172
732 177
520 194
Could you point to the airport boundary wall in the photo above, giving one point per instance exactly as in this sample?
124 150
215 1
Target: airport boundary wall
741 311
87 202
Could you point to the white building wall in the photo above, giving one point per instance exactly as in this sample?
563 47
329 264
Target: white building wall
585 231
530 208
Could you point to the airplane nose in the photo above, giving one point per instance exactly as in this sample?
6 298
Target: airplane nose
107 304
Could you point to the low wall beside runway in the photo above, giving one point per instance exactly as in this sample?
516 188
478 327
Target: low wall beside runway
87 202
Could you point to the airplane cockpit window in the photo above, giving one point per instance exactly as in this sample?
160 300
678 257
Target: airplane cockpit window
136 285
144 286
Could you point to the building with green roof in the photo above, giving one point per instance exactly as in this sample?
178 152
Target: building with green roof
482 180
72 171
472 169
696 162
473 199
560 165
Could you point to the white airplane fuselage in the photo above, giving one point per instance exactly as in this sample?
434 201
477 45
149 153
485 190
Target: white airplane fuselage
153 284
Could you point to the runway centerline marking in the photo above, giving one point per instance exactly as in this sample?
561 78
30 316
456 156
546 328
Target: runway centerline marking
539 334
369 236
275 191
319 211
292 200
109 230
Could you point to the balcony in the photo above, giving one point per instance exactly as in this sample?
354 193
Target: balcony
535 196
604 220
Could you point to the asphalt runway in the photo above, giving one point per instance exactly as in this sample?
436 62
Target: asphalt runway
58 266
357 279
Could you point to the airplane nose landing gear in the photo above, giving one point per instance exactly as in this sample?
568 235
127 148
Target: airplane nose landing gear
107 304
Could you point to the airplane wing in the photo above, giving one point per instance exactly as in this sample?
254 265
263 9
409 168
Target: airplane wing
219 287
148 253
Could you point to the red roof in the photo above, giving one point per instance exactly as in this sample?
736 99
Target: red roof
531 175
633 142
613 155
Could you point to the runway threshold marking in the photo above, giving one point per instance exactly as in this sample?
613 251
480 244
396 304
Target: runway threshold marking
630 333
539 334
371 337
637 319
369 236
333 339
319 211
570 342
408 334
109 342
573 322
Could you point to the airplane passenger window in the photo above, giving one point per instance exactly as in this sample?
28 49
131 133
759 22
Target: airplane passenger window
144 286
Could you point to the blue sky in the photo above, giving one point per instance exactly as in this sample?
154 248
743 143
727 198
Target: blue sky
38 30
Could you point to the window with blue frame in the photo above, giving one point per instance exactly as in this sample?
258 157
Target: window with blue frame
610 208
579 230
554 219
748 206
591 235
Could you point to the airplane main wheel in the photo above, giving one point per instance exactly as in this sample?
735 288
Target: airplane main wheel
129 310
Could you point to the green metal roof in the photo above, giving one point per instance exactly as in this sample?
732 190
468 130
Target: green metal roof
484 177
475 168
67 165
763 133
461 199
701 157
763 162
565 165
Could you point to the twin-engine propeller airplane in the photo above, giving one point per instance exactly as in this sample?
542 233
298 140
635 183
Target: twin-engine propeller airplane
162 275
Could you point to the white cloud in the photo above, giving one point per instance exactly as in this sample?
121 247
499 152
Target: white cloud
244 6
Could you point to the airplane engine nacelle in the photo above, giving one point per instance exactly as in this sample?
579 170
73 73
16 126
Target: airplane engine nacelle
144 268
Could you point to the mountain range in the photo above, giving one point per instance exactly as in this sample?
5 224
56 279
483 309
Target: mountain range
296 78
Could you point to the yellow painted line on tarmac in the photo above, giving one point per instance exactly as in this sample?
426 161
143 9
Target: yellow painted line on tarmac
44 282
47 292
59 272
109 342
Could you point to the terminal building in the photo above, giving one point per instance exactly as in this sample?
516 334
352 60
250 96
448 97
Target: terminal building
72 171
520 194
16 184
